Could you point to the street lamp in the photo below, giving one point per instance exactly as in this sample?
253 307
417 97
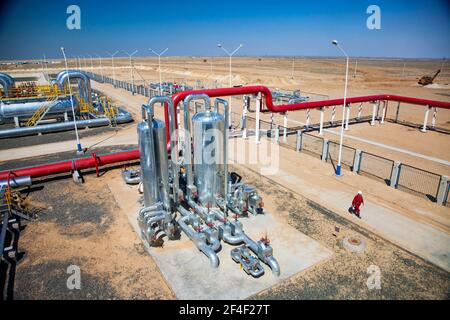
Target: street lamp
131 69
338 167
230 55
114 72
79 150
159 66
101 67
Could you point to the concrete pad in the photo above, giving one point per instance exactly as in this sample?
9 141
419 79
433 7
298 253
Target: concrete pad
188 272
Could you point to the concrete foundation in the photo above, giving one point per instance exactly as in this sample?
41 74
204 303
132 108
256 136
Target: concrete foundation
187 270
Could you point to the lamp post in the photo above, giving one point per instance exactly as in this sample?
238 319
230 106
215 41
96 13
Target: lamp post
159 66
230 55
338 167
114 72
131 69
79 150
293 67
101 67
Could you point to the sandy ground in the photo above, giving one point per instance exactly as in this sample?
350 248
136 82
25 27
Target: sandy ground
88 230
85 229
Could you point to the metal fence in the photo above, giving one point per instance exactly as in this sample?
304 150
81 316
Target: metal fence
376 166
348 154
446 197
312 144
419 181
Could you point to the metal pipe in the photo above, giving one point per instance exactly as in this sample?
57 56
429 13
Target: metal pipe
27 107
6 81
178 97
84 83
187 139
16 182
121 117
197 239
225 148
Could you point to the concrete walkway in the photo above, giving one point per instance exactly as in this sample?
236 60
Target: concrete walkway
420 227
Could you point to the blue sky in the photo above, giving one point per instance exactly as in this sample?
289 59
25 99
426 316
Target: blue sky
411 29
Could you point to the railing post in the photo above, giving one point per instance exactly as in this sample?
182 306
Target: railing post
395 175
333 115
347 116
397 112
277 134
425 120
374 110
383 112
298 146
357 161
433 120
321 121
325 147
442 194
285 124
258 106
308 114
359 111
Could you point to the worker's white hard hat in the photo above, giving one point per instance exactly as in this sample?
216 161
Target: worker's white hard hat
359 192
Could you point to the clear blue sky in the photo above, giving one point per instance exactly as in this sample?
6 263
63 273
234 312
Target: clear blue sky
412 29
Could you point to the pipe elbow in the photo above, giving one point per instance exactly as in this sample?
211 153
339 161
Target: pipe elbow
273 264
212 256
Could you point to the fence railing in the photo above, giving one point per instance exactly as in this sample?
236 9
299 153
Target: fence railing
419 181
375 166
404 177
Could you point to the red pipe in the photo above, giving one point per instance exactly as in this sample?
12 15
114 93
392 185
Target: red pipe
67 166
91 162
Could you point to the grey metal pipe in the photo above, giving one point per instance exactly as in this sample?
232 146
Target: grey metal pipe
173 145
27 107
187 137
6 81
199 242
84 83
225 149
121 117
17 182
147 157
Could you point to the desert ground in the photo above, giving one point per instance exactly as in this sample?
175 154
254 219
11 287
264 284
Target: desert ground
409 274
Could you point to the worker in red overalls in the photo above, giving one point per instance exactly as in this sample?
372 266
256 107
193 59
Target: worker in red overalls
356 203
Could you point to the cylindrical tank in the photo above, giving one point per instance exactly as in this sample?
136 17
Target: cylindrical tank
161 161
27 109
148 165
208 128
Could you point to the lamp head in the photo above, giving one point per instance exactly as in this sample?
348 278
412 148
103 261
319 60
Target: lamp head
335 42
219 45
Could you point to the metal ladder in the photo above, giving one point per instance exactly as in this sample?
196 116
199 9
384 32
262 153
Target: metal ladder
42 111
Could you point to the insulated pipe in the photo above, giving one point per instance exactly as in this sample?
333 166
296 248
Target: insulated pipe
174 153
6 81
62 167
85 87
194 236
225 148
121 117
221 92
16 182
187 137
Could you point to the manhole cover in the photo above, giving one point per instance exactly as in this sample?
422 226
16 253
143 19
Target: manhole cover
353 244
